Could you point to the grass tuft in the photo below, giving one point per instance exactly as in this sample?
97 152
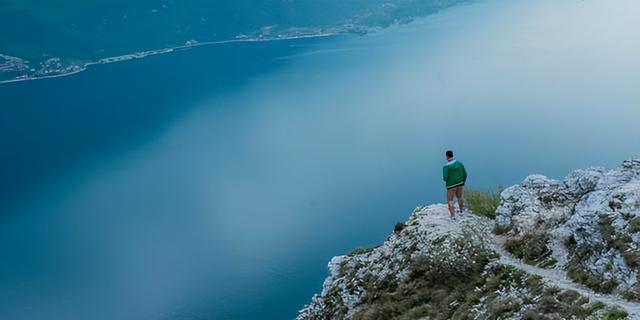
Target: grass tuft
614 313
532 248
360 250
483 203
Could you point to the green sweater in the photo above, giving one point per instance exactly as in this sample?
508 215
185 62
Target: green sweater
454 174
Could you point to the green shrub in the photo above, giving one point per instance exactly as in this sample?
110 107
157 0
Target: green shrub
614 240
631 294
500 229
595 282
532 315
614 313
360 250
593 307
504 307
532 248
567 303
483 203
581 253
634 225
620 241
571 243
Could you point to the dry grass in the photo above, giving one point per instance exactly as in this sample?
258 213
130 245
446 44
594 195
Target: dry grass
483 203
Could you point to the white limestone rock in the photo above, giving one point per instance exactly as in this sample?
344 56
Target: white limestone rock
428 232
590 208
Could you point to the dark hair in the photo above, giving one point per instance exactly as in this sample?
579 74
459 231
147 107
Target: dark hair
449 154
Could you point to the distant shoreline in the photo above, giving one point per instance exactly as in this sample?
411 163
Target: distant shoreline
143 54
56 67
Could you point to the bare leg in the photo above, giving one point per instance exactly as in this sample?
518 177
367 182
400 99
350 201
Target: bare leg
452 210
460 197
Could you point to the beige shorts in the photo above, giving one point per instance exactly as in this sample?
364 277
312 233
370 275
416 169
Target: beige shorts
457 192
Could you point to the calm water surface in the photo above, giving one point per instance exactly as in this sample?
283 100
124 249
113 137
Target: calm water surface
217 183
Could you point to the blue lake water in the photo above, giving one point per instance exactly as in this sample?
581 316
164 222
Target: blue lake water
216 183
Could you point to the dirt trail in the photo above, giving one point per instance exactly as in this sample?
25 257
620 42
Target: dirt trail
559 278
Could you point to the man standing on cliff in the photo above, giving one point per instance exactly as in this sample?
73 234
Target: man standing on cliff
454 176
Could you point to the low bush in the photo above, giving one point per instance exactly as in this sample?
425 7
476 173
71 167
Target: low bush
614 313
634 225
595 282
360 250
532 248
621 241
483 203
631 294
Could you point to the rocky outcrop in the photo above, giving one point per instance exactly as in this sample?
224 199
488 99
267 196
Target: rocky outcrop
591 220
557 249
428 234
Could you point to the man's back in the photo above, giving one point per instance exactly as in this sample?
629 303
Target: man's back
454 174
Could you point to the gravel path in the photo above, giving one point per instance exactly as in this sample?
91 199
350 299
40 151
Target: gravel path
559 278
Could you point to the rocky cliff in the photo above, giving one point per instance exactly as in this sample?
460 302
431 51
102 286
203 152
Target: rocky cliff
557 250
